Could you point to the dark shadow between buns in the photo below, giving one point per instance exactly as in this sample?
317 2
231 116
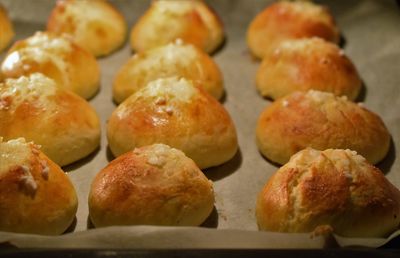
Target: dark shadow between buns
362 94
212 220
386 164
224 170
71 228
79 163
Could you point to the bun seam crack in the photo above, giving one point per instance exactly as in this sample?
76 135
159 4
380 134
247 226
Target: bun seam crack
292 193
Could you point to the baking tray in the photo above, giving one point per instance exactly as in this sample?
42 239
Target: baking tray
371 38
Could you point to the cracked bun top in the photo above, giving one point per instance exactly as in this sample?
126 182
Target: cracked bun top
335 190
175 112
321 121
36 196
151 185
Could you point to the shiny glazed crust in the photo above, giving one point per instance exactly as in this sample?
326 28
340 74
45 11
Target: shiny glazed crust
174 112
6 29
289 20
173 59
307 64
321 121
95 25
63 123
57 57
152 185
167 20
36 196
333 190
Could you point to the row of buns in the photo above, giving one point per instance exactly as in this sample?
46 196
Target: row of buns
326 191
75 69
325 142
98 27
168 103
170 110
313 83
154 184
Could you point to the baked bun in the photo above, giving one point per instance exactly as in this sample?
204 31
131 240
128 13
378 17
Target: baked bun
174 59
36 196
63 123
167 20
320 120
329 190
57 57
306 64
95 25
6 29
289 20
174 112
151 185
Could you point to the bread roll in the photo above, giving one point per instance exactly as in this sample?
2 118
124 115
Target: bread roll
306 64
332 189
6 29
321 121
289 20
36 196
57 57
174 59
167 20
95 25
151 185
63 123
174 112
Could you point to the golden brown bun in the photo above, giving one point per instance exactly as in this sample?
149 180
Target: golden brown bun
289 20
63 123
152 185
35 195
95 25
57 57
306 64
174 112
6 29
174 59
167 20
321 121
335 189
